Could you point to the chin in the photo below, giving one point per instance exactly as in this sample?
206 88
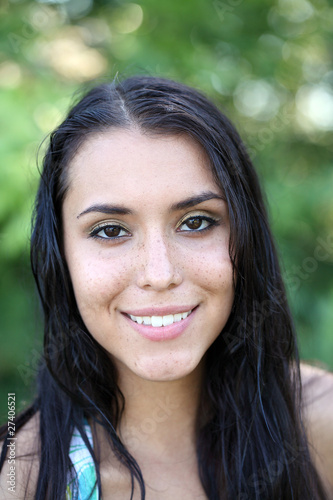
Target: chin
161 370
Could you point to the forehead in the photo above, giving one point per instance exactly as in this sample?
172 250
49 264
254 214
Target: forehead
120 164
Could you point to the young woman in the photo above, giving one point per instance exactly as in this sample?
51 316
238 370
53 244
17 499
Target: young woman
170 369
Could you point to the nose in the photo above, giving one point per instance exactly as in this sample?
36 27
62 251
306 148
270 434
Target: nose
157 267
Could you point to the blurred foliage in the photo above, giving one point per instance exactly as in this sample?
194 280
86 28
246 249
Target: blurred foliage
267 64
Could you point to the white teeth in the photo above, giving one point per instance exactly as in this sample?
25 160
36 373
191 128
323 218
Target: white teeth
156 321
168 320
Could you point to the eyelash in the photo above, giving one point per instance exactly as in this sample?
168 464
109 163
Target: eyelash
212 222
98 229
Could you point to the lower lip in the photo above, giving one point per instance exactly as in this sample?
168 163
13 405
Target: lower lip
159 333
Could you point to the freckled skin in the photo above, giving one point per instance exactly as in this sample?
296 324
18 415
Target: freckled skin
154 263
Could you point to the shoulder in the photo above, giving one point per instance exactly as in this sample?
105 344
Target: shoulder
19 474
317 399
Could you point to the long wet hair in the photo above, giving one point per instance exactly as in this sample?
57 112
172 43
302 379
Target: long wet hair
250 440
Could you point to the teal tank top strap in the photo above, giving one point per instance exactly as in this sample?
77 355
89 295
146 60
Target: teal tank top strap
84 485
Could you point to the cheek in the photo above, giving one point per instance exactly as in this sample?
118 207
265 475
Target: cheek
213 268
97 281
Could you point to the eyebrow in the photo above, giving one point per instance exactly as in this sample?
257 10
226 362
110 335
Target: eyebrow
195 200
181 205
107 209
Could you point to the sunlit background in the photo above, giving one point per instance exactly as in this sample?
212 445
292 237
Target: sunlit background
267 64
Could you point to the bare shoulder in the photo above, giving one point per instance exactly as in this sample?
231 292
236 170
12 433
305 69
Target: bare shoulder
19 474
317 389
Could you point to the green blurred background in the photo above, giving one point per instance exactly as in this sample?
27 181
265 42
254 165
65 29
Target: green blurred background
266 63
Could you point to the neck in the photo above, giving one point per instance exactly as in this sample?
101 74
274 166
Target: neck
160 417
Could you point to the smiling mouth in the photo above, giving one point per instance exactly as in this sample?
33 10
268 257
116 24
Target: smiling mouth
158 321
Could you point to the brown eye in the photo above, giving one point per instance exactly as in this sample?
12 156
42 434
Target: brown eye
112 231
109 232
194 223
197 224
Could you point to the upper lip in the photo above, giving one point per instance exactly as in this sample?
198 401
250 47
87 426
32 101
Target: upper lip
159 311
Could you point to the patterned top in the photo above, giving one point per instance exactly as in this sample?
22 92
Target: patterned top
84 486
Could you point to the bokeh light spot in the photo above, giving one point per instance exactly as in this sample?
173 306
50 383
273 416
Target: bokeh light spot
10 75
315 103
128 18
257 99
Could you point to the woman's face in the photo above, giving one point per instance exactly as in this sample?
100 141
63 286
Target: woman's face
146 236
